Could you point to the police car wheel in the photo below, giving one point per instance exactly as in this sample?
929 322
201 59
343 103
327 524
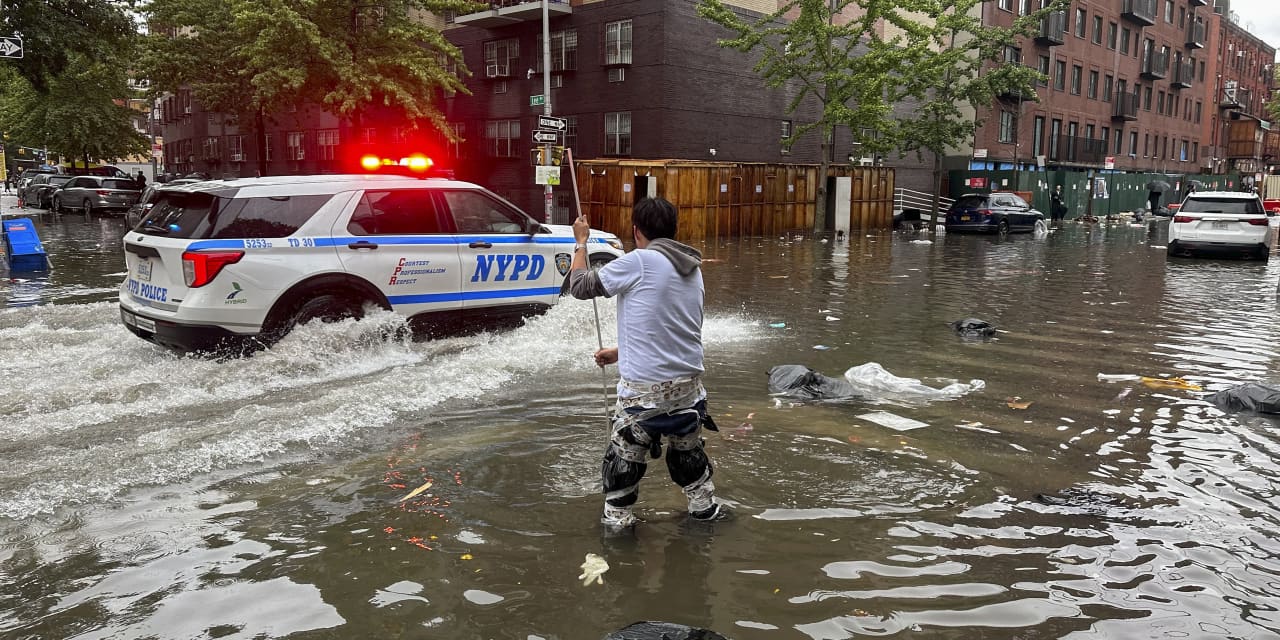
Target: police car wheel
325 307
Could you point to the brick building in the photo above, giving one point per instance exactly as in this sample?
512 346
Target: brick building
1138 81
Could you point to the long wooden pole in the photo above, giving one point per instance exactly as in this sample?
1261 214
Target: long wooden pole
577 203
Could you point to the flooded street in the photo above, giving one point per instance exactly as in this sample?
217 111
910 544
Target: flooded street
145 495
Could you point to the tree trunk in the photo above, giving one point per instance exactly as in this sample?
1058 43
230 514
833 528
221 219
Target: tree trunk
824 166
937 192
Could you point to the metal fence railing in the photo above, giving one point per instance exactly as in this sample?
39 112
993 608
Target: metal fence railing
911 199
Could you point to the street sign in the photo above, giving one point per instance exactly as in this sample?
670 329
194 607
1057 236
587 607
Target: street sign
537 101
545 137
551 122
547 175
1109 162
10 46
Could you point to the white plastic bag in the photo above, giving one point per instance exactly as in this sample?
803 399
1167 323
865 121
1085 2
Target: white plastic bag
875 383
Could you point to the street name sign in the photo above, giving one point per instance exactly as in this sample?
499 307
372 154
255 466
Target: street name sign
551 122
10 46
537 101
545 137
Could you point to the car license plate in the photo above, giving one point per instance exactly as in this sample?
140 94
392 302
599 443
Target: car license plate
964 218
1220 225
146 324
144 269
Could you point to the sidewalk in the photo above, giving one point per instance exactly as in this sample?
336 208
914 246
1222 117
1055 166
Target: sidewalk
9 208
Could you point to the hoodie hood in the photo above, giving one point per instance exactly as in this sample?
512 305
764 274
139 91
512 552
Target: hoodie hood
683 257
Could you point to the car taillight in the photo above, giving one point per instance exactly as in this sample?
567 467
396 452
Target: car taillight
985 213
1183 219
1257 222
103 192
201 267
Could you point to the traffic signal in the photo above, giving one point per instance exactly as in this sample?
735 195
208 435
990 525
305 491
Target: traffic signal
537 159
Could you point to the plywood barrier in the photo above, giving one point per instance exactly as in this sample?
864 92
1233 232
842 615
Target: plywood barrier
728 200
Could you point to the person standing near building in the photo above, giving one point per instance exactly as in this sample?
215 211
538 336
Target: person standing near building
660 360
1057 205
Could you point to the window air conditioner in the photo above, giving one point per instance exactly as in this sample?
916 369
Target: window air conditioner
496 70
186 110
237 157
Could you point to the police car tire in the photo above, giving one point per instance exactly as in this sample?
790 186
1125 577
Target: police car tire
323 306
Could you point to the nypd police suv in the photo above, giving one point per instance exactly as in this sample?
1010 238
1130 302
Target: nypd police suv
228 264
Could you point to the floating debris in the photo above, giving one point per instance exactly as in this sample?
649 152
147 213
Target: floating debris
415 492
1017 403
1118 377
593 568
1170 383
893 421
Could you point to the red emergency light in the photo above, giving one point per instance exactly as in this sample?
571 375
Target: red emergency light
416 163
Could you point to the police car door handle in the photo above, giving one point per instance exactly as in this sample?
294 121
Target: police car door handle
481 245
363 244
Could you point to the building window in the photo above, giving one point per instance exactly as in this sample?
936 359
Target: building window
1055 132
1119 148
500 136
1081 14
1111 35
1088 132
1182 17
1146 144
1097 29
1146 100
1133 142
1029 7
455 145
293 146
235 148
327 144
1168 11
500 56
617 133
786 134
1197 111
211 149
1093 84
617 42
571 133
1106 87
1013 55
1124 40
1076 72
1037 136
1006 5
1008 130
1044 70
1105 137
1060 75
368 135
1182 154
500 87
1195 151
1160 103
266 147
564 51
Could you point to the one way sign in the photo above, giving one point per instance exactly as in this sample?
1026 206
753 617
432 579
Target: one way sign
10 46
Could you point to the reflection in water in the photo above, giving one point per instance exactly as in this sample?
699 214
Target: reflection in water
150 495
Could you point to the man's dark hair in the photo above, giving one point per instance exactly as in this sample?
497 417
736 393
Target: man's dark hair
655 218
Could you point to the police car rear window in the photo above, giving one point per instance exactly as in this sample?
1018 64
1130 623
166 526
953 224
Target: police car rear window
206 216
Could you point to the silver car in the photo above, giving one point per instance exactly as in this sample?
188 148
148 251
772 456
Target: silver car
96 194
39 191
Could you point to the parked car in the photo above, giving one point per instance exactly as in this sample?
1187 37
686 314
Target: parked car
39 192
139 210
225 265
997 212
96 194
1230 223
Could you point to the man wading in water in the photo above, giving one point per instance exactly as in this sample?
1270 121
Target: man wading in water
659 355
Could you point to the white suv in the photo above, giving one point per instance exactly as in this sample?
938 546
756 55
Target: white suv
233 265
1221 222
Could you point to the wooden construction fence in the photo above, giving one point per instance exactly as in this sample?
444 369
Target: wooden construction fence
727 200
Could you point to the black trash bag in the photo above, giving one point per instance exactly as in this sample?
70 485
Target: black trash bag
801 382
662 631
1250 396
973 328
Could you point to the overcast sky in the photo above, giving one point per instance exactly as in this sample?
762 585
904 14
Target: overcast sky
1261 18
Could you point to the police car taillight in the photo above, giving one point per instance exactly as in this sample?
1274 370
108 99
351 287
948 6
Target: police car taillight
201 267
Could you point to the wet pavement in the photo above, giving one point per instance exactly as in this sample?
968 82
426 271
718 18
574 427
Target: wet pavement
148 495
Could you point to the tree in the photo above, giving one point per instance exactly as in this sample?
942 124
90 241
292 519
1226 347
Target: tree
56 33
80 114
860 58
254 58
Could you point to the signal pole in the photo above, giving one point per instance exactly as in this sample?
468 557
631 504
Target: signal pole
546 104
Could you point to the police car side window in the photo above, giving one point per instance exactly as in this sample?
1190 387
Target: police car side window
402 212
271 217
474 212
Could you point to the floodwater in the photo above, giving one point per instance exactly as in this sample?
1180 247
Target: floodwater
144 495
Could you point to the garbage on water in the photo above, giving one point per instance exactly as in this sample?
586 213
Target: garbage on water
1170 383
1017 402
873 381
778 325
921 242
821 347
832 318
975 426
593 568
973 328
1250 396
893 421
802 383
1118 377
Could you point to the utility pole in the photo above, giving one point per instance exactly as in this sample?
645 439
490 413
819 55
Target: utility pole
151 127
547 207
